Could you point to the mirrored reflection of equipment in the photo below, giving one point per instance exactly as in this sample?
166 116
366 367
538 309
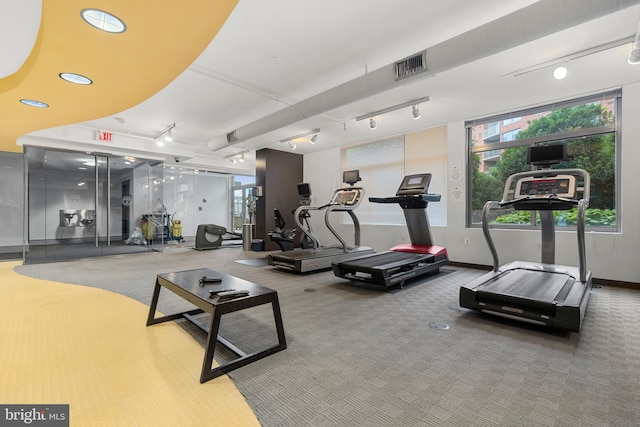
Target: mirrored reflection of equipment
211 236
344 199
544 293
406 261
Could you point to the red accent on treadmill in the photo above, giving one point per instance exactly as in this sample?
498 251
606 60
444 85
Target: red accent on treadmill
421 249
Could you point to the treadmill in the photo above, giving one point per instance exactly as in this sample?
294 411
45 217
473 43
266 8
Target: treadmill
542 293
344 199
405 261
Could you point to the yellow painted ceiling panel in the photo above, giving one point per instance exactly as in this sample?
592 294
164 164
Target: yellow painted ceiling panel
162 39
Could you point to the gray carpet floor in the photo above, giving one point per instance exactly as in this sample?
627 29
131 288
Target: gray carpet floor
409 357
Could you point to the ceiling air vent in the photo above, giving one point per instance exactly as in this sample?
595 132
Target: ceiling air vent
410 66
232 137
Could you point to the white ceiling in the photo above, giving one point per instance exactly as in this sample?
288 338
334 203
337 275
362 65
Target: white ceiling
270 55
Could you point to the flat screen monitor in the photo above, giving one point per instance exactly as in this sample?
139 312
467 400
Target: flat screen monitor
541 155
414 184
304 189
351 177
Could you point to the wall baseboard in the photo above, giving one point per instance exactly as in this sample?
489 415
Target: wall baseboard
595 280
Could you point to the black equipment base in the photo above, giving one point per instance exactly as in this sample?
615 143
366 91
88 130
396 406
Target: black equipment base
546 294
389 268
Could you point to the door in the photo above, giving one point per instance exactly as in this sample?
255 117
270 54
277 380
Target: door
75 206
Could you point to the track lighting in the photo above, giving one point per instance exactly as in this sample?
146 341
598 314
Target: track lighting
415 110
165 134
236 157
293 140
634 56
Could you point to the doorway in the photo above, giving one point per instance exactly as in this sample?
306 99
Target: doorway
82 205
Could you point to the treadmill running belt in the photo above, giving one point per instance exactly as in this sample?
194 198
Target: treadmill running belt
536 289
384 259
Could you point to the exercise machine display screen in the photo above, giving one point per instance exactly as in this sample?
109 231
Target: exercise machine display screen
560 186
346 197
414 184
304 189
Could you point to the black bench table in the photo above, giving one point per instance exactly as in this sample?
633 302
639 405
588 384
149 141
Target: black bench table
187 285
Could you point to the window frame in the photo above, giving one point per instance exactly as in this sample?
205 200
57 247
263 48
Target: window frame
614 129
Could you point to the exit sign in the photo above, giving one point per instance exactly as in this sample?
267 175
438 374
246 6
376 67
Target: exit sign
104 136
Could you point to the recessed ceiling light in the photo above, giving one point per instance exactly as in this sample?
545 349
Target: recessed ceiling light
560 72
34 103
75 78
103 21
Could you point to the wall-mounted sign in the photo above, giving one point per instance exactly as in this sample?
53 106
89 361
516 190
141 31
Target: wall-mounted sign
104 136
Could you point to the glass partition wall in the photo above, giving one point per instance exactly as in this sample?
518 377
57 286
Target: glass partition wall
83 205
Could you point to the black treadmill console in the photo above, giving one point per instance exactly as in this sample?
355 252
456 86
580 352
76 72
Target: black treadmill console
415 184
347 197
304 191
559 186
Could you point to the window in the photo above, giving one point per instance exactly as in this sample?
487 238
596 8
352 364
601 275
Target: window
381 166
510 135
590 128
384 163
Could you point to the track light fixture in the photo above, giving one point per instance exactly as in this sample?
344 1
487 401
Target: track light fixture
634 56
165 134
415 110
236 157
293 140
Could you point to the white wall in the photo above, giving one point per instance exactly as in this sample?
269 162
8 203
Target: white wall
611 256
11 201
215 190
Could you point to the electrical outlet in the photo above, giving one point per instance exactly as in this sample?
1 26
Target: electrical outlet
539 247
467 241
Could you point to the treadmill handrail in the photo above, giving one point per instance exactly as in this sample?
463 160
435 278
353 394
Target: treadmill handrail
425 197
582 258
487 235
356 224
306 230
550 198
580 231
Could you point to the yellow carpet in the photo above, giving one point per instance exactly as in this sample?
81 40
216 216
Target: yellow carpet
90 348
